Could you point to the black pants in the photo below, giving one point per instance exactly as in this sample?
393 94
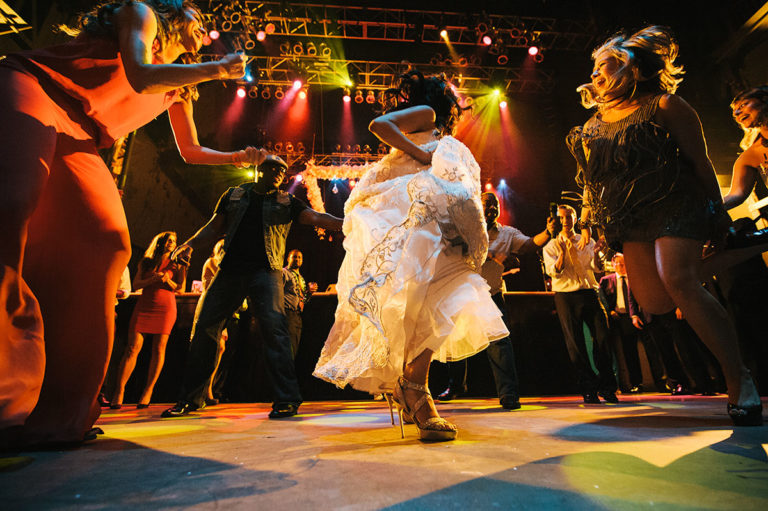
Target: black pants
293 319
575 309
625 337
501 356
216 306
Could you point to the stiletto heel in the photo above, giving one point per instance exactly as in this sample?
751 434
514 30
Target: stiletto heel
394 404
388 397
400 417
747 414
433 428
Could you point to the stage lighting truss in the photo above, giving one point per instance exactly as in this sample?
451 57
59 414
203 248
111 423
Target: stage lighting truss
405 25
380 76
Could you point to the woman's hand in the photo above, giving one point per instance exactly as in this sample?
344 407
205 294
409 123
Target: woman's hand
232 66
424 157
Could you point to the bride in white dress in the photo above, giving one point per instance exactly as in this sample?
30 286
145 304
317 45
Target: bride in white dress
415 234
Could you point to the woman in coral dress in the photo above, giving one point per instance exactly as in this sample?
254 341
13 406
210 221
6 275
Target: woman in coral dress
63 234
415 235
154 314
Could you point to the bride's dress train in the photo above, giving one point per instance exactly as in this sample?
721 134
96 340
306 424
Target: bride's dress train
413 237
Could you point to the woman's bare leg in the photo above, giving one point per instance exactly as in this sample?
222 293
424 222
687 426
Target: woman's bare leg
678 261
417 371
127 364
156 363
219 353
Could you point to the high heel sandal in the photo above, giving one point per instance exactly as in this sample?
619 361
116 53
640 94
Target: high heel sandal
747 415
434 429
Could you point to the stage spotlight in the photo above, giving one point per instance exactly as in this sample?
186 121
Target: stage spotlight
356 149
503 104
206 40
337 148
300 148
488 187
269 28
213 34
539 57
481 28
533 50
463 61
346 98
469 101
496 92
235 18
303 94
502 60
347 149
298 178
298 49
249 174
249 44
278 147
444 34
359 96
515 32
226 26
297 84
261 35
325 51
285 48
289 147
252 92
370 98
311 49
266 93
502 183
382 149
279 94
367 149
487 40
241 92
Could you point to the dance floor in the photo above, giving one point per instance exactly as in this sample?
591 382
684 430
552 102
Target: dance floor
649 451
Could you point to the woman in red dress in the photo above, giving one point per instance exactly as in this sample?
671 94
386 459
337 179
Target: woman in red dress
155 313
63 234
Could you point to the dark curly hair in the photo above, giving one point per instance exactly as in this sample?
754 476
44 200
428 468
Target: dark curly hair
759 93
171 19
434 91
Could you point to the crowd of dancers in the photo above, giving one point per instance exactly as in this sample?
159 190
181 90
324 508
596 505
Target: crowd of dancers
416 231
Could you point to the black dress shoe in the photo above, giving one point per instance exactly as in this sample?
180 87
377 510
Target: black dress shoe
591 398
211 401
510 402
141 406
178 410
283 410
609 397
115 406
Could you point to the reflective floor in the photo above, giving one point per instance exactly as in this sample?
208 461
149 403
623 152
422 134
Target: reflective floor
649 451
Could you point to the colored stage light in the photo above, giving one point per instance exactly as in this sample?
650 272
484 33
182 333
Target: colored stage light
299 178
533 50
279 93
496 92
269 28
303 94
249 174
241 92
207 40
444 34
359 96
503 104
502 60
488 187
347 98
213 34
261 35
248 77
370 98
502 183
487 40
297 84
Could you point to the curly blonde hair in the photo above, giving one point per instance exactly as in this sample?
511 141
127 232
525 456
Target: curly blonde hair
647 63
759 93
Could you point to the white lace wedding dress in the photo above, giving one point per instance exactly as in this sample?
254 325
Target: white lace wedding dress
414 237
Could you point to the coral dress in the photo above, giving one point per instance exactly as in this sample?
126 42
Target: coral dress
155 311
415 236
64 238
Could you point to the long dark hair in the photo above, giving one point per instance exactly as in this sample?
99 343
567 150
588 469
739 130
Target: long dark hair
171 20
759 93
434 91
153 256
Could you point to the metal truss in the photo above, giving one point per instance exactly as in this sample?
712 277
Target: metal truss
404 25
377 76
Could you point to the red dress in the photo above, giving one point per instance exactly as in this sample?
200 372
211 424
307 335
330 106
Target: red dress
155 311
64 238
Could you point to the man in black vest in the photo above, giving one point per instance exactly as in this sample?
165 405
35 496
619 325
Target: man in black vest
255 219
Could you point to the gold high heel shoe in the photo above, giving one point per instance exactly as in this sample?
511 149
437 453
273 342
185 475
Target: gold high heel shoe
435 429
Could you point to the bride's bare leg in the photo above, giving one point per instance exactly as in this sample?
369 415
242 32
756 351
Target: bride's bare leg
418 372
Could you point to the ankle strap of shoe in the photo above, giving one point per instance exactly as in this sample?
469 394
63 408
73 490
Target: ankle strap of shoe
405 383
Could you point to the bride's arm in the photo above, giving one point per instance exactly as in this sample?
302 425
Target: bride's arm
391 128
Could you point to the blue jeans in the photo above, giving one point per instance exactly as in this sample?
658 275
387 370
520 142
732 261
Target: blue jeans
222 298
